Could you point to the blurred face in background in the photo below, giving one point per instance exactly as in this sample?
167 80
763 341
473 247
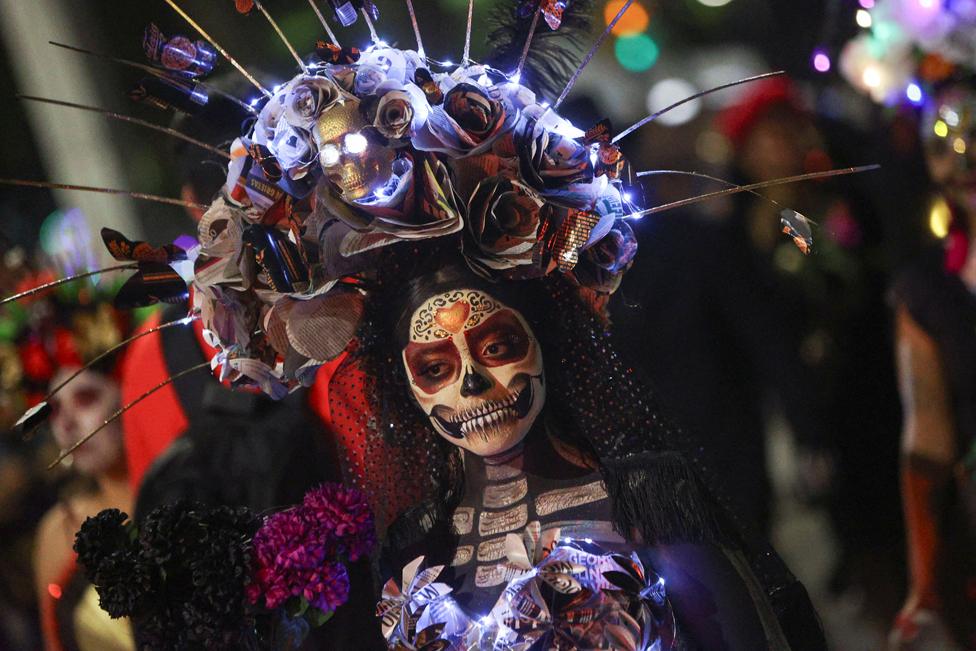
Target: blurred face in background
949 137
776 145
80 407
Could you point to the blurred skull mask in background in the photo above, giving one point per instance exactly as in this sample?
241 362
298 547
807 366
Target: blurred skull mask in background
355 165
949 137
476 370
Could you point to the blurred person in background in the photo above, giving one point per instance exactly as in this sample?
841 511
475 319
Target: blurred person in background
63 331
735 325
833 302
722 335
27 490
935 303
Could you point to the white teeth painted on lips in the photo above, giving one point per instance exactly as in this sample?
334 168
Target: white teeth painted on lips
484 409
490 425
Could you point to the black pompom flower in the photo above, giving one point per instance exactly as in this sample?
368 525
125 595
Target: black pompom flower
108 553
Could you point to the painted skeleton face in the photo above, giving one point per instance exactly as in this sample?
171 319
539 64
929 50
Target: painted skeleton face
475 369
81 406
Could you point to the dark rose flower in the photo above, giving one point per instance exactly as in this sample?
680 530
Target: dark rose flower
504 218
548 161
399 110
474 111
368 77
308 98
602 266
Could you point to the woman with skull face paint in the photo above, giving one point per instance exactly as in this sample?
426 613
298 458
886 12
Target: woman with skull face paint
511 413
936 319
64 332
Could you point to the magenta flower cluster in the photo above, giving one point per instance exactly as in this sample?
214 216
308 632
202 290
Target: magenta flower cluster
300 552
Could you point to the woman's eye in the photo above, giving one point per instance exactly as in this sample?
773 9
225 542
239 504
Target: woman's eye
500 347
434 370
86 397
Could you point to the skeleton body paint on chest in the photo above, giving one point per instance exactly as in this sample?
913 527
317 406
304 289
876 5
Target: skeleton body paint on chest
475 368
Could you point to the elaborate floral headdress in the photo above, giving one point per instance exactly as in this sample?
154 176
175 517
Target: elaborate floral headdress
364 150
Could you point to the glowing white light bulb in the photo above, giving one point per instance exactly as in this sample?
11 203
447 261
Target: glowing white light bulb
329 155
356 143
517 77
863 18
914 93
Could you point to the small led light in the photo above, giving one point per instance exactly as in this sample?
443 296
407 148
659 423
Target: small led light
940 216
950 116
959 146
356 143
628 197
517 77
821 61
329 155
914 93
863 18
941 128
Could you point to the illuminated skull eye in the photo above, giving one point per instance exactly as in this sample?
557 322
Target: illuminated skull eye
329 155
355 143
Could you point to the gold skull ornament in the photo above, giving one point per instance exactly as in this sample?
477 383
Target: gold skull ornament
356 166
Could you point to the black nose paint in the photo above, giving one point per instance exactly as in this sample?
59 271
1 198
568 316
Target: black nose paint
474 383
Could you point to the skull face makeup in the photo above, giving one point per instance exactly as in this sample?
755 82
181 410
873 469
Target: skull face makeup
949 135
476 370
353 164
79 408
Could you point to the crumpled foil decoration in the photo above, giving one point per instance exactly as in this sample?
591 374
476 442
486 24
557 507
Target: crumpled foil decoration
576 596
